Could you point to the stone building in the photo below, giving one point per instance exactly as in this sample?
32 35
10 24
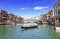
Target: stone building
20 19
50 17
8 18
57 13
11 19
43 18
3 16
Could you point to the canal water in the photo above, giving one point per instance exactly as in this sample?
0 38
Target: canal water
15 32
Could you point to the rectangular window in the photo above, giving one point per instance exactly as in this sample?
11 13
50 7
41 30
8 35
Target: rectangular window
58 11
59 20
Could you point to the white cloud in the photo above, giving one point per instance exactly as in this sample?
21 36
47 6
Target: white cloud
39 8
24 8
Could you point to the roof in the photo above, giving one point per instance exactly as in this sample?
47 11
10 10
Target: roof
56 3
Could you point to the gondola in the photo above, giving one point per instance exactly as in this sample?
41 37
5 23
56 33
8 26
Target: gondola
28 27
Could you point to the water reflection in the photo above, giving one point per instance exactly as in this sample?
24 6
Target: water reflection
22 30
15 32
7 31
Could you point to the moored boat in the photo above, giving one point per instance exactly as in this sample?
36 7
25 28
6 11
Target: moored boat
57 28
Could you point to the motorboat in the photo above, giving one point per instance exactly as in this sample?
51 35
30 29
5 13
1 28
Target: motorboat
57 28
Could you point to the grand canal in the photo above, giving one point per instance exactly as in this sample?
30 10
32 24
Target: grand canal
15 32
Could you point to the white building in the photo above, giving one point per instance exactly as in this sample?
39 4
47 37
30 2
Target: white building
57 13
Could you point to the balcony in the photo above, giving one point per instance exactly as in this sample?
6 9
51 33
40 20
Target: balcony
58 16
5 17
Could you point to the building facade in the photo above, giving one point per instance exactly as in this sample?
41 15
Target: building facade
3 16
8 18
50 18
43 18
57 13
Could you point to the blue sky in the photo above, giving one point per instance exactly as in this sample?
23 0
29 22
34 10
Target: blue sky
27 8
